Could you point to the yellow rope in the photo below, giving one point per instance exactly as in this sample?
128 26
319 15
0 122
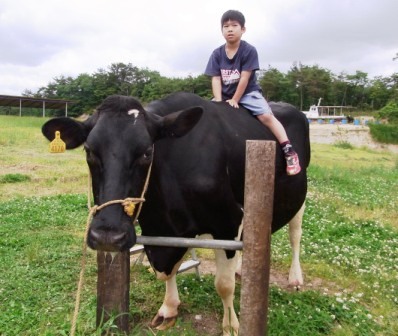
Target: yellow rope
92 211
144 189
81 276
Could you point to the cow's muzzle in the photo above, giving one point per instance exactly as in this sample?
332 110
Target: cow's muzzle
111 241
106 236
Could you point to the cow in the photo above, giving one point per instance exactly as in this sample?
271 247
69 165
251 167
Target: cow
195 151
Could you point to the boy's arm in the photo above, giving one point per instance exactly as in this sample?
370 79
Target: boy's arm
216 88
240 90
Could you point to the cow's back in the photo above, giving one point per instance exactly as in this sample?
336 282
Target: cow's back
215 151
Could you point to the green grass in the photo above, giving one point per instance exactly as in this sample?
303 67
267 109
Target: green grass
40 258
25 152
350 238
349 249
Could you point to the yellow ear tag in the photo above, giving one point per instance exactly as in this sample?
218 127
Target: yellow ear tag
57 145
129 207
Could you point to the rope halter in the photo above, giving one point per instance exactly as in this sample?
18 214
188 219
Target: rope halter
128 203
129 207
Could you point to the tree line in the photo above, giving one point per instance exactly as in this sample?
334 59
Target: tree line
301 86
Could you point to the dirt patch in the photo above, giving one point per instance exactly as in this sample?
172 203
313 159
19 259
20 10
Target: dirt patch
356 135
278 277
206 324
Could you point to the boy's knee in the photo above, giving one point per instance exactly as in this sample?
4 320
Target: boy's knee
265 118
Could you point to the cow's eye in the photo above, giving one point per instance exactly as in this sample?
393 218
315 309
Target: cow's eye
146 156
148 153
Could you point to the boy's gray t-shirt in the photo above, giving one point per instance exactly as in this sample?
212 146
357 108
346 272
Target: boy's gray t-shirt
245 59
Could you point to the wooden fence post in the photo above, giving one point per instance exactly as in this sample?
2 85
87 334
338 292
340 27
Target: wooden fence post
113 288
259 196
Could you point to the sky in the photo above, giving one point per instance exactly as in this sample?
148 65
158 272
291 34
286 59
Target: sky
45 39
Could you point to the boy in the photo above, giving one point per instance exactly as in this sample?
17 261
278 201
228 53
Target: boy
232 67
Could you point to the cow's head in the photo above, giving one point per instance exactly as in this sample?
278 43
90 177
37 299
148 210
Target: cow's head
118 139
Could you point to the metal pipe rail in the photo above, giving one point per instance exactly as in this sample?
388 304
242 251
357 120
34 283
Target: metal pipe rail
191 242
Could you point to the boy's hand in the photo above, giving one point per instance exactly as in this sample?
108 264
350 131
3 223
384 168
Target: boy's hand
233 103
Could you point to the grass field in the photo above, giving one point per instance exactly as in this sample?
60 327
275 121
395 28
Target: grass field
25 152
349 250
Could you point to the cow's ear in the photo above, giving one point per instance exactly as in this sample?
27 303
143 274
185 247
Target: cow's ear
73 132
180 123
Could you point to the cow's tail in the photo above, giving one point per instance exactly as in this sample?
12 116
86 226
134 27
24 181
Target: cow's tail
307 143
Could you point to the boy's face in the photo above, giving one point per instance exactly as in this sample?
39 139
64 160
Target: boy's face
232 31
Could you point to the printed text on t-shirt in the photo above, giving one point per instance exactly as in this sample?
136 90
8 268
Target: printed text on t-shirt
230 76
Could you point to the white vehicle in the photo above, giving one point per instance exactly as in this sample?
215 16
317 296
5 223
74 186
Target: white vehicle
318 112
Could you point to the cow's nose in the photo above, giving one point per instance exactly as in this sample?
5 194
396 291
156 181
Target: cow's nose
106 240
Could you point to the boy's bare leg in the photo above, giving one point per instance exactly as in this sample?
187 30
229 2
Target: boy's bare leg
274 125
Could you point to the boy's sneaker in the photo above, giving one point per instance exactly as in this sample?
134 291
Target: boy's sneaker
292 164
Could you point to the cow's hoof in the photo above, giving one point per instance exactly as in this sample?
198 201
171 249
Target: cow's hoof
161 323
295 286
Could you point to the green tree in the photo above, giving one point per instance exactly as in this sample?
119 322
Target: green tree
339 88
393 87
143 77
272 84
82 91
378 92
309 83
202 86
357 85
302 86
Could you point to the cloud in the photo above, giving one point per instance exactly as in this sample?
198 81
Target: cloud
51 38
343 35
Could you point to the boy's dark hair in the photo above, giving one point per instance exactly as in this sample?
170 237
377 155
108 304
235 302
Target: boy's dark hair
233 15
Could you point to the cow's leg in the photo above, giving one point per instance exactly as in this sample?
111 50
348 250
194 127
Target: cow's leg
225 286
168 312
295 231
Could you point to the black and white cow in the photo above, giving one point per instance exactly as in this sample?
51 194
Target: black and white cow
197 150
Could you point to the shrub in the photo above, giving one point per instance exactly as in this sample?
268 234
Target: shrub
384 133
343 145
14 178
389 112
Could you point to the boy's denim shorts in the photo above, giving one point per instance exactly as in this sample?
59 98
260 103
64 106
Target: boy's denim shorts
255 103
